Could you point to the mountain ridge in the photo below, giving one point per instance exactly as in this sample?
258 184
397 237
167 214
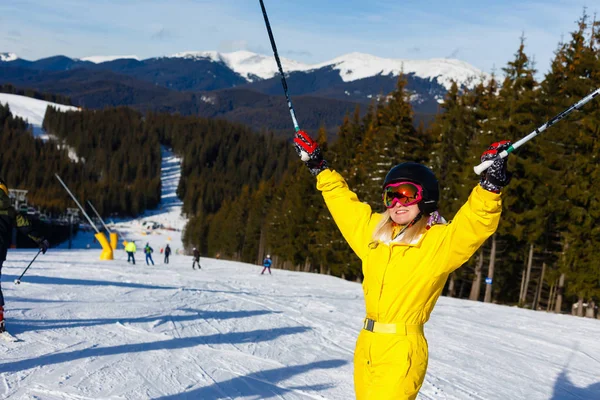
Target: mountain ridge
181 84
351 66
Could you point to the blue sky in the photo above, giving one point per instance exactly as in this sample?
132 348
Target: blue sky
482 33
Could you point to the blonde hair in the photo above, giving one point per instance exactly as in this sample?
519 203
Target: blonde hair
384 229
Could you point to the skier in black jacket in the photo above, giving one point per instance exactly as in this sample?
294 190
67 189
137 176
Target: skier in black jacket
167 253
196 255
9 218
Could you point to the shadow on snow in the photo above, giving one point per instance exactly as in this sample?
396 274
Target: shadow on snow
256 336
261 385
47 280
564 389
26 325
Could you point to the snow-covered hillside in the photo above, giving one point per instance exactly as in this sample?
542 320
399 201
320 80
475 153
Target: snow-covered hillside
161 226
112 330
32 110
353 66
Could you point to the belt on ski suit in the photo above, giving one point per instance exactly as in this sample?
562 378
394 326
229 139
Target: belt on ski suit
402 329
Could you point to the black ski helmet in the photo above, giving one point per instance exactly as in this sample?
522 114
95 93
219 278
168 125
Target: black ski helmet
417 173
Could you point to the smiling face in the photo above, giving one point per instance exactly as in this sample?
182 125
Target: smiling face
403 215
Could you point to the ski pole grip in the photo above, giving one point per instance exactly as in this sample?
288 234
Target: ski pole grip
483 166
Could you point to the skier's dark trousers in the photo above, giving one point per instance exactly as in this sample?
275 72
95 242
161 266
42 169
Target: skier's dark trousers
9 218
167 254
196 255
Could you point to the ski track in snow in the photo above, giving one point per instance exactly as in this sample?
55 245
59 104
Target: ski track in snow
111 330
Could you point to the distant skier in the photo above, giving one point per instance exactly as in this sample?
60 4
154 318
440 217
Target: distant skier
196 255
148 251
267 262
167 254
130 248
9 218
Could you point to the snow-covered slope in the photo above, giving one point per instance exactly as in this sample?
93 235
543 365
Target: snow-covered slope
351 66
31 110
167 217
112 330
101 59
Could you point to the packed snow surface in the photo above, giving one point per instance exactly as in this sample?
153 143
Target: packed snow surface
112 330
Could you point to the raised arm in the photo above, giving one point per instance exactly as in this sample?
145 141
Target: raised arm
351 216
476 221
478 218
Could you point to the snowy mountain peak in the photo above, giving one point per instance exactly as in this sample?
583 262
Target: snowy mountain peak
101 59
6 57
352 66
246 63
202 55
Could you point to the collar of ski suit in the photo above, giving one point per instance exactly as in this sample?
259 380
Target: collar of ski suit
416 242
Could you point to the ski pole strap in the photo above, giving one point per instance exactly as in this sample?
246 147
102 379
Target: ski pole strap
399 329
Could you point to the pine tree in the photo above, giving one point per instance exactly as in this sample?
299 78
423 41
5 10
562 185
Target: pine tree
390 138
572 145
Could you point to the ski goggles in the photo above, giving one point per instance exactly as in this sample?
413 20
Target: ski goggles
405 193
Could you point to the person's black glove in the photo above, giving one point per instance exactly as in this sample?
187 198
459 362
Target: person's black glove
309 152
496 176
44 245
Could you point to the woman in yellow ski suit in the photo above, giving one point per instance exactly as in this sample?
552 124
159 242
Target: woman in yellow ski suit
404 278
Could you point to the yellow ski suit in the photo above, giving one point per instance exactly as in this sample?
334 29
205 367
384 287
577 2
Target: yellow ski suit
402 283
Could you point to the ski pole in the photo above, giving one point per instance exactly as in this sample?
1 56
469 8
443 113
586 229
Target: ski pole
486 164
283 82
18 280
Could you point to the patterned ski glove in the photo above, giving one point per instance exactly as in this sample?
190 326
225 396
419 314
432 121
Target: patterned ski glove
309 152
496 176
